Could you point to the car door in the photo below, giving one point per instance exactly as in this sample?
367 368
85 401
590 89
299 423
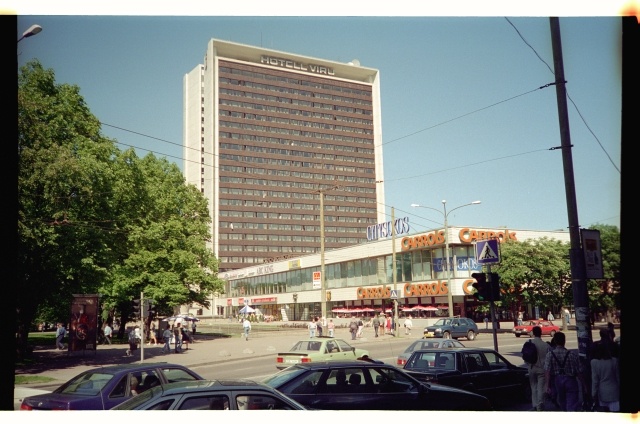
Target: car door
502 381
459 328
345 350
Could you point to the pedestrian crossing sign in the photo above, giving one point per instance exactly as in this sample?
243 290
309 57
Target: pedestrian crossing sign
487 252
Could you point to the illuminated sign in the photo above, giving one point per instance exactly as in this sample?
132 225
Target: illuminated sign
465 235
384 229
298 66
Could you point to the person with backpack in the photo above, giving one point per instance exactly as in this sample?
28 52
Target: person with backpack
534 353
564 370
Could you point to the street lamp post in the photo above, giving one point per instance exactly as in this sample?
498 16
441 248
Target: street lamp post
323 281
445 215
32 30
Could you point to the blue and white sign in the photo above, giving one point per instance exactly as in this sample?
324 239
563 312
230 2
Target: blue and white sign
487 252
394 294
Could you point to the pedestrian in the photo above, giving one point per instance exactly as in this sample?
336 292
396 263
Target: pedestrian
166 336
61 331
107 333
177 337
331 327
360 327
486 322
536 371
246 326
376 325
312 328
563 368
567 316
388 324
353 328
519 317
608 343
605 380
408 324
319 327
550 317
133 341
152 334
186 339
193 327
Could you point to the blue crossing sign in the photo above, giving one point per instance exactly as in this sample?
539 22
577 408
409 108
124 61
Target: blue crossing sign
487 252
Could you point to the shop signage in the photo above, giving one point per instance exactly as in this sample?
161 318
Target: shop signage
385 229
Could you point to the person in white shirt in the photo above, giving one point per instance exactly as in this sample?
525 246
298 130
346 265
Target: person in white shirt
246 326
407 325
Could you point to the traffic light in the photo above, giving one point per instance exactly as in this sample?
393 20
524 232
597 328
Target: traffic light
481 285
145 308
495 286
152 308
135 305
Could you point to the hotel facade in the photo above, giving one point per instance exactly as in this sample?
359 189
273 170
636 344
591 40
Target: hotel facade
270 137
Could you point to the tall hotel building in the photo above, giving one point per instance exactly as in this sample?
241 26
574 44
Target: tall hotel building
271 136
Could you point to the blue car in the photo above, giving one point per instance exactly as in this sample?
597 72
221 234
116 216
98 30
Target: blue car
105 387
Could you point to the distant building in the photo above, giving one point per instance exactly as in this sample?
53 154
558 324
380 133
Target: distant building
266 133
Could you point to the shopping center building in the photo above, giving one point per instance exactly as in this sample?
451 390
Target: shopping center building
359 279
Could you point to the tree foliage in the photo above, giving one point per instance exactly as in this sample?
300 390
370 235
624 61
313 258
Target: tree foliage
94 219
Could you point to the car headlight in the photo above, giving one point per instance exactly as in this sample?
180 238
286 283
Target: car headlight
438 330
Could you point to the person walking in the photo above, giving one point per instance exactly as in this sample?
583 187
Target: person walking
312 328
133 340
166 336
388 324
563 368
408 324
319 327
246 326
360 328
177 337
108 333
550 317
536 370
376 325
331 327
152 335
605 380
60 333
353 328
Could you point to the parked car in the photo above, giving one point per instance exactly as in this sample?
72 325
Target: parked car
526 329
321 348
364 385
236 394
105 387
479 370
426 344
452 328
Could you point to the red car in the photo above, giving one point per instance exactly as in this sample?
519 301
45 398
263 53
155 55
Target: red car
526 329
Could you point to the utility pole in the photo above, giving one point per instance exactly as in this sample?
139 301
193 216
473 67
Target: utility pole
576 256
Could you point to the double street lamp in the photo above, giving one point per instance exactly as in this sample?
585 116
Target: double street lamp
445 215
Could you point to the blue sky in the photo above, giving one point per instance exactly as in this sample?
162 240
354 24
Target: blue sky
466 111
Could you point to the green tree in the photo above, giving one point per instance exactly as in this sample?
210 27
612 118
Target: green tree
63 162
534 272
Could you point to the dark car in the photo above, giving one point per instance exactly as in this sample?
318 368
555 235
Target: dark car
235 394
426 344
452 328
363 385
106 387
479 370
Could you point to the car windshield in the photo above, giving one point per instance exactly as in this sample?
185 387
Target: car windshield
283 376
88 384
443 322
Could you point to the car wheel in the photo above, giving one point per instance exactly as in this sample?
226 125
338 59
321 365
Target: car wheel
471 335
446 335
517 335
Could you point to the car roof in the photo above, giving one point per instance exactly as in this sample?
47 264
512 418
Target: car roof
457 349
114 369
204 385
342 364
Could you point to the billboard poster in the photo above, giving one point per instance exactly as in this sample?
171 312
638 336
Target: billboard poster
592 253
83 324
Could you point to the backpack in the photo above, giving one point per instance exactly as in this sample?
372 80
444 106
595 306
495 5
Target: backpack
529 352
353 326
132 337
